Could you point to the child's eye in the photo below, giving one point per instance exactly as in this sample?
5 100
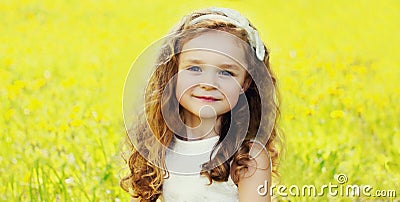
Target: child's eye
194 68
226 73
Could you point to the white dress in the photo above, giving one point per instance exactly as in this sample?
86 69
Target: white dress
185 183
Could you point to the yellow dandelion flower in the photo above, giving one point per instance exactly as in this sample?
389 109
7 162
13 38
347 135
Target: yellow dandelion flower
37 84
360 110
11 95
359 69
309 82
335 91
27 177
347 102
8 62
76 108
9 114
87 115
309 112
314 101
4 76
42 125
34 104
74 111
15 89
68 82
348 78
290 117
12 92
20 84
50 127
71 115
337 114
76 123
64 127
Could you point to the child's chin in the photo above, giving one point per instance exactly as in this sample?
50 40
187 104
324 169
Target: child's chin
208 116
207 112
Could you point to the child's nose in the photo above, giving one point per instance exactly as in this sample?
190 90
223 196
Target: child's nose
207 86
209 81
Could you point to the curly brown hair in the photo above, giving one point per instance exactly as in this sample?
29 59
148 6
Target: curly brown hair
147 167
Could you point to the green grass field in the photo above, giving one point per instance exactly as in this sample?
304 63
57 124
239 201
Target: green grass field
63 65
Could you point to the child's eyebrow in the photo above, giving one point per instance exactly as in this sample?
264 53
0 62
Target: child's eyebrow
222 66
194 61
230 66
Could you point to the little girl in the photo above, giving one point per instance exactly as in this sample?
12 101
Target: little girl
209 128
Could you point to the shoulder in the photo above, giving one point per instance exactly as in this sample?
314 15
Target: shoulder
258 175
259 153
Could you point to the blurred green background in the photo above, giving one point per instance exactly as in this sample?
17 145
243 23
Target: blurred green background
63 65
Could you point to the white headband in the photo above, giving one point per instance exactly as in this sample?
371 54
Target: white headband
238 20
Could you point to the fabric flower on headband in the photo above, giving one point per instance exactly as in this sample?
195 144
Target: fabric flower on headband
238 20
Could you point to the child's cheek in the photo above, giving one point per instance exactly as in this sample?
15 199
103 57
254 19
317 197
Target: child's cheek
232 92
185 81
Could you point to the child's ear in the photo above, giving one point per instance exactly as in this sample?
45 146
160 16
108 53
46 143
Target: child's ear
246 85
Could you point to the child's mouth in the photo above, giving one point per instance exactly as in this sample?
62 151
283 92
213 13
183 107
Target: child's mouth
207 98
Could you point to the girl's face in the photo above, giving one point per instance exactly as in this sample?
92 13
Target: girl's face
211 75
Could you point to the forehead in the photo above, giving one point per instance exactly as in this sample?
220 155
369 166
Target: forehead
216 44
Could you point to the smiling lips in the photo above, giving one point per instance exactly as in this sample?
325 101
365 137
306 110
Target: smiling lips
207 98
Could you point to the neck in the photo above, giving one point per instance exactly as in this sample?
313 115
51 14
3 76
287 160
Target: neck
199 127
